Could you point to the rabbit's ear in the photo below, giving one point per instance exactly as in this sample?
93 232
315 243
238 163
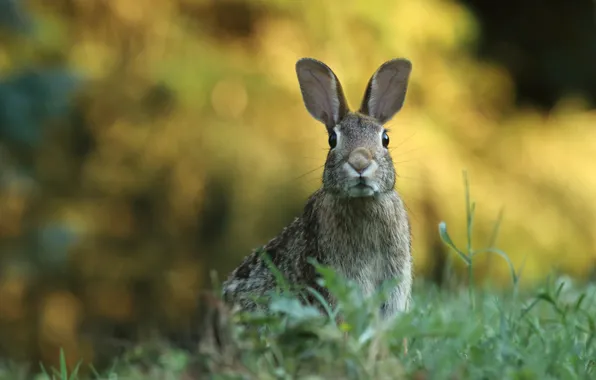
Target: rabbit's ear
386 90
321 91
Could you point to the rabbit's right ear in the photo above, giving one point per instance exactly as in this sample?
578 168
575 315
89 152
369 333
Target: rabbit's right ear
321 91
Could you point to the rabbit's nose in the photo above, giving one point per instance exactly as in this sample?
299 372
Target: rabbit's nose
360 159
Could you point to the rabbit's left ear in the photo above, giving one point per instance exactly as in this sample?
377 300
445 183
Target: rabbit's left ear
386 90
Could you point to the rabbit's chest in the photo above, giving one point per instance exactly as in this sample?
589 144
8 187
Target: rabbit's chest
368 260
366 240
368 274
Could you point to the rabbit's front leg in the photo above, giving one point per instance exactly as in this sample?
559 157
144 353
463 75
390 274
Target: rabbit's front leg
395 304
398 302
399 297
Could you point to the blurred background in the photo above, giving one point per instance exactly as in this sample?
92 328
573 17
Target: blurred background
144 145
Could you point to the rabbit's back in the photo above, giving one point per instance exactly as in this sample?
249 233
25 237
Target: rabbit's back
254 277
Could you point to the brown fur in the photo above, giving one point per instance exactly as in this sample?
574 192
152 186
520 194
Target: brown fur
364 237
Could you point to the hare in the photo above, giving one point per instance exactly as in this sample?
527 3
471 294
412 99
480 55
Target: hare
356 222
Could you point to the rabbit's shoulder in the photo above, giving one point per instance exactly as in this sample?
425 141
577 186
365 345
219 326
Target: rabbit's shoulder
288 252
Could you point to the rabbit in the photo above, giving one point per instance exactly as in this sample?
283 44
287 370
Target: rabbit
356 223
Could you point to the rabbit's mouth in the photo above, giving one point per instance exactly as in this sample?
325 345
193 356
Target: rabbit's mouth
360 183
361 189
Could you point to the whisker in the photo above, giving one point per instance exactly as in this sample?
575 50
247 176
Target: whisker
405 140
404 162
406 152
310 158
410 178
410 212
307 173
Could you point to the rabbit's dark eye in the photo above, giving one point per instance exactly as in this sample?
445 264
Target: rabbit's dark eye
332 140
385 138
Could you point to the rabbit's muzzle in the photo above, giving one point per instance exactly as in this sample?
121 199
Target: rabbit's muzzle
360 169
360 159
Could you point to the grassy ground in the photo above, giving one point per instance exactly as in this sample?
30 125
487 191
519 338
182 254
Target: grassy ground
545 335
471 333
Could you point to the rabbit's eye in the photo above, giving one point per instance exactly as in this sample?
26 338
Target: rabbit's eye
332 140
385 139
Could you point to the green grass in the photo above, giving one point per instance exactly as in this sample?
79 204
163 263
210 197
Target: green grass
545 335
548 334
470 333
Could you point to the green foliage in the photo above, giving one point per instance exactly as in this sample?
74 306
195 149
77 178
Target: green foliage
548 333
469 253
63 373
12 16
30 99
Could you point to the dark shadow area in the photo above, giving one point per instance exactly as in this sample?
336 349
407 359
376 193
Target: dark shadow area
548 46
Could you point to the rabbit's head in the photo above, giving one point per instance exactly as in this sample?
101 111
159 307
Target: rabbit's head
358 163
